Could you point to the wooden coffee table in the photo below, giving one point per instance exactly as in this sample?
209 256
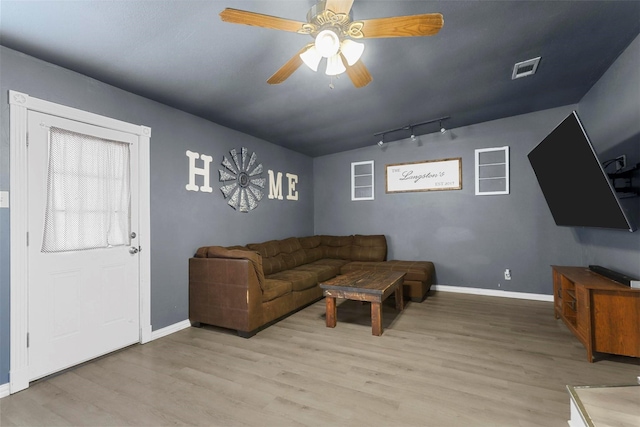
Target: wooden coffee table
372 286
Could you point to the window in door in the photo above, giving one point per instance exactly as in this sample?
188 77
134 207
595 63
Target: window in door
88 196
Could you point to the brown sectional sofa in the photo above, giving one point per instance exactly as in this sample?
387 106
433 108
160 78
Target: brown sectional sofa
248 287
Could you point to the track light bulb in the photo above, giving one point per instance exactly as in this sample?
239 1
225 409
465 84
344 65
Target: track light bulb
442 129
380 143
413 136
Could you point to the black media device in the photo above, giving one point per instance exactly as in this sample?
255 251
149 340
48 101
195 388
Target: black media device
573 181
613 275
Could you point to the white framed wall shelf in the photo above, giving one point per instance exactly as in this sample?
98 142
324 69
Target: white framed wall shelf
492 171
362 187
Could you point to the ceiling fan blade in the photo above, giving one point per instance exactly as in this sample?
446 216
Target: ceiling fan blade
339 6
236 16
358 73
427 24
288 68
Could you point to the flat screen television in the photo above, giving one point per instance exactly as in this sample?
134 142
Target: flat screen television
573 181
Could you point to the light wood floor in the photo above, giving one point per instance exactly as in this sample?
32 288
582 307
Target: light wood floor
453 360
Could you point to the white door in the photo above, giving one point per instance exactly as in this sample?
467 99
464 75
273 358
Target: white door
82 303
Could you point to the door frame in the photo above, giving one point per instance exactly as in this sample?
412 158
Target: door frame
19 105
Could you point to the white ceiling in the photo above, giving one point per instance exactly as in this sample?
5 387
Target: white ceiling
180 53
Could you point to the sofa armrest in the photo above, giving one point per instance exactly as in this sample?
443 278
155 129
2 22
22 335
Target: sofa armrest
224 292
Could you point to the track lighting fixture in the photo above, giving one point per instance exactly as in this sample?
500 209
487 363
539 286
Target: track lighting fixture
411 128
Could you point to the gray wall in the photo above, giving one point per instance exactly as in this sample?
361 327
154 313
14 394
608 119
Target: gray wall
181 221
610 113
471 239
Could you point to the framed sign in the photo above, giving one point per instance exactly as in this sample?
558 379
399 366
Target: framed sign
428 175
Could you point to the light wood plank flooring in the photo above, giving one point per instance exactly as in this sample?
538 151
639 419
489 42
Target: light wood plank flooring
453 360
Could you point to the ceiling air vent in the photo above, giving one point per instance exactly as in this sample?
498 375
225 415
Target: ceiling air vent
525 68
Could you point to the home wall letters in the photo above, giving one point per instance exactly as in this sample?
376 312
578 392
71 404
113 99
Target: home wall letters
275 186
203 171
243 183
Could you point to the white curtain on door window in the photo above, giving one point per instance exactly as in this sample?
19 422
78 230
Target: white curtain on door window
88 193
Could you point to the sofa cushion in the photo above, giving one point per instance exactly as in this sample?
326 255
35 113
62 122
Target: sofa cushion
299 279
322 272
274 288
273 264
310 242
272 259
337 252
289 245
294 259
336 241
313 254
267 249
337 247
369 248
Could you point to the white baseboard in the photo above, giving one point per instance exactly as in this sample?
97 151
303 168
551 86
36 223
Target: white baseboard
4 390
493 293
145 334
170 329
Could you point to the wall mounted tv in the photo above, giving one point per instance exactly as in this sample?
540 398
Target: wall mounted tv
573 181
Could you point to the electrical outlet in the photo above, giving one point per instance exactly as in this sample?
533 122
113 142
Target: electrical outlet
4 199
507 274
621 162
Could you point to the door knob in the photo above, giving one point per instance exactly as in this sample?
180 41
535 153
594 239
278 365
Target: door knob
133 250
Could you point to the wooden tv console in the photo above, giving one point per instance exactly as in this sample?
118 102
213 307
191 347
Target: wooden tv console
602 313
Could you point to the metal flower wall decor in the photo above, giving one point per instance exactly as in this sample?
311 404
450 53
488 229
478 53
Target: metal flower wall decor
243 183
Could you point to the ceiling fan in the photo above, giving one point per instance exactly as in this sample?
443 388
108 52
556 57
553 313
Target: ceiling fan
331 25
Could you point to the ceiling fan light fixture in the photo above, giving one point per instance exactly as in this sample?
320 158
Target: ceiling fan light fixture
311 58
335 65
327 43
351 50
329 22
